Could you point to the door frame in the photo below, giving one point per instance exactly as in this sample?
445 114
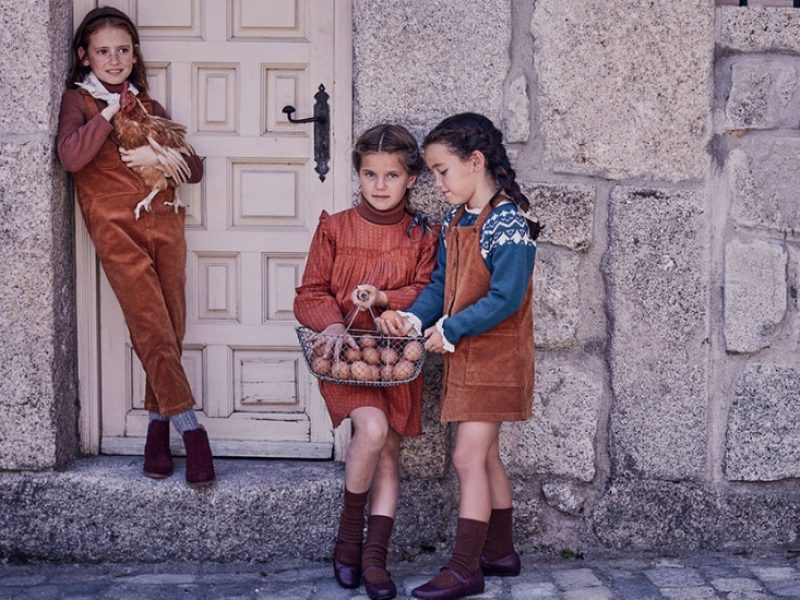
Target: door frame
87 267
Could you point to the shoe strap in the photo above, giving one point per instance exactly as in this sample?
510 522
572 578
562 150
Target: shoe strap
461 580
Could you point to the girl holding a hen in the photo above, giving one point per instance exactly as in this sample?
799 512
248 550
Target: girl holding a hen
477 312
144 260
379 248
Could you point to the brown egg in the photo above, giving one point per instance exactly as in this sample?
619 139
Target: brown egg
360 370
374 373
371 355
412 351
403 370
351 355
386 372
318 348
388 356
340 370
367 341
320 365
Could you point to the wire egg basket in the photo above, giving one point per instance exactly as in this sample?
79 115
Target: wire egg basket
361 357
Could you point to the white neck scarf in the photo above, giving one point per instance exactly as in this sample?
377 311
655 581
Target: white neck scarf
93 85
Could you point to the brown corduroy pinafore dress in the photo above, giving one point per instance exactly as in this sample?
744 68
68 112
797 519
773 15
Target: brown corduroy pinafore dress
489 377
145 262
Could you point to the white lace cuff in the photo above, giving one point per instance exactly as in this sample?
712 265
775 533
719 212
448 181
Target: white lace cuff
415 322
448 347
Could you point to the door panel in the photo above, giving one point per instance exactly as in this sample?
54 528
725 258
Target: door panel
226 68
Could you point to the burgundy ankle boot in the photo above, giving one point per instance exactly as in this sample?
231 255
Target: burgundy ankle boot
157 457
199 462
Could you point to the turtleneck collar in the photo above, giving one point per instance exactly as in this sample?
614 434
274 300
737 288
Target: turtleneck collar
381 217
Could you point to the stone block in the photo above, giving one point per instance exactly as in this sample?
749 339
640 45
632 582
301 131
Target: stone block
517 124
559 439
390 78
428 456
764 176
758 29
564 496
755 294
656 514
656 57
658 288
763 440
558 299
763 518
38 390
103 509
566 211
35 38
763 96
529 518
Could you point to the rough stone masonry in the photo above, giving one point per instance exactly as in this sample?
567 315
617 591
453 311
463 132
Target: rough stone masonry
659 144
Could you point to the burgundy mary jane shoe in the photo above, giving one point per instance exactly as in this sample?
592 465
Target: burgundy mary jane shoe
379 591
348 576
506 566
463 587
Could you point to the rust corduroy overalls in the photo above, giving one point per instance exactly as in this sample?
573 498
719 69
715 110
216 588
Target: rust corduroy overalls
145 262
489 377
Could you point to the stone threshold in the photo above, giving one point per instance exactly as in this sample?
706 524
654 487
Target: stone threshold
104 509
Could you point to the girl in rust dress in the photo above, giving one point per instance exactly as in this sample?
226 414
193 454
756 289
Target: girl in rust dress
477 311
378 247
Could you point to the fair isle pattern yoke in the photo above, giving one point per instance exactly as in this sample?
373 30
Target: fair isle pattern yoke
505 225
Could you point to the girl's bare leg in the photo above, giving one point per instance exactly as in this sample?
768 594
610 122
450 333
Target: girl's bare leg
369 436
474 439
499 484
386 481
370 430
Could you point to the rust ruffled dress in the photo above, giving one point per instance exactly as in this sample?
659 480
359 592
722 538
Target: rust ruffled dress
353 247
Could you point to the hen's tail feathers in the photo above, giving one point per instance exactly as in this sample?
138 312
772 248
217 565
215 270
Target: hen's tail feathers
145 203
173 162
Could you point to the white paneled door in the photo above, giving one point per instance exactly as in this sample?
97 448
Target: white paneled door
226 68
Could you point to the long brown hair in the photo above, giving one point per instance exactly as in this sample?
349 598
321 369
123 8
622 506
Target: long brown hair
105 16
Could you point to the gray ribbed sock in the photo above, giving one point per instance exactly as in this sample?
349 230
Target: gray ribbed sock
154 416
185 421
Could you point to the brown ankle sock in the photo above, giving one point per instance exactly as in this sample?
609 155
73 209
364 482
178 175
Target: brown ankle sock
499 535
379 530
351 528
470 537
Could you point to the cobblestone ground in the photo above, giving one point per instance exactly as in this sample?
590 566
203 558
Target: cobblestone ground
753 576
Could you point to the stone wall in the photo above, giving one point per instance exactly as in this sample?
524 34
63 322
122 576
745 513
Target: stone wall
38 355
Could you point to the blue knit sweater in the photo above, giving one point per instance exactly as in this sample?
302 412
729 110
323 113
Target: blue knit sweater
509 254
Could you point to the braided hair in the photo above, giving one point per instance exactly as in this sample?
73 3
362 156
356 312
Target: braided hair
465 133
394 139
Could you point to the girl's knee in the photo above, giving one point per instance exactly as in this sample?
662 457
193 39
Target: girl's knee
466 460
372 432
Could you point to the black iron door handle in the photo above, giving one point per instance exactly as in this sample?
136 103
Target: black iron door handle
322 130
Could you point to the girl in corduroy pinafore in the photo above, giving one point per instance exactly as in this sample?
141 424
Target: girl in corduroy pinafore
380 248
477 311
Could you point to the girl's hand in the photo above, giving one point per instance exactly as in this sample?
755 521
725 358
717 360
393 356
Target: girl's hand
331 340
109 111
434 343
391 323
366 295
143 156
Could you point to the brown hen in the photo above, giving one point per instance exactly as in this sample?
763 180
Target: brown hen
135 127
